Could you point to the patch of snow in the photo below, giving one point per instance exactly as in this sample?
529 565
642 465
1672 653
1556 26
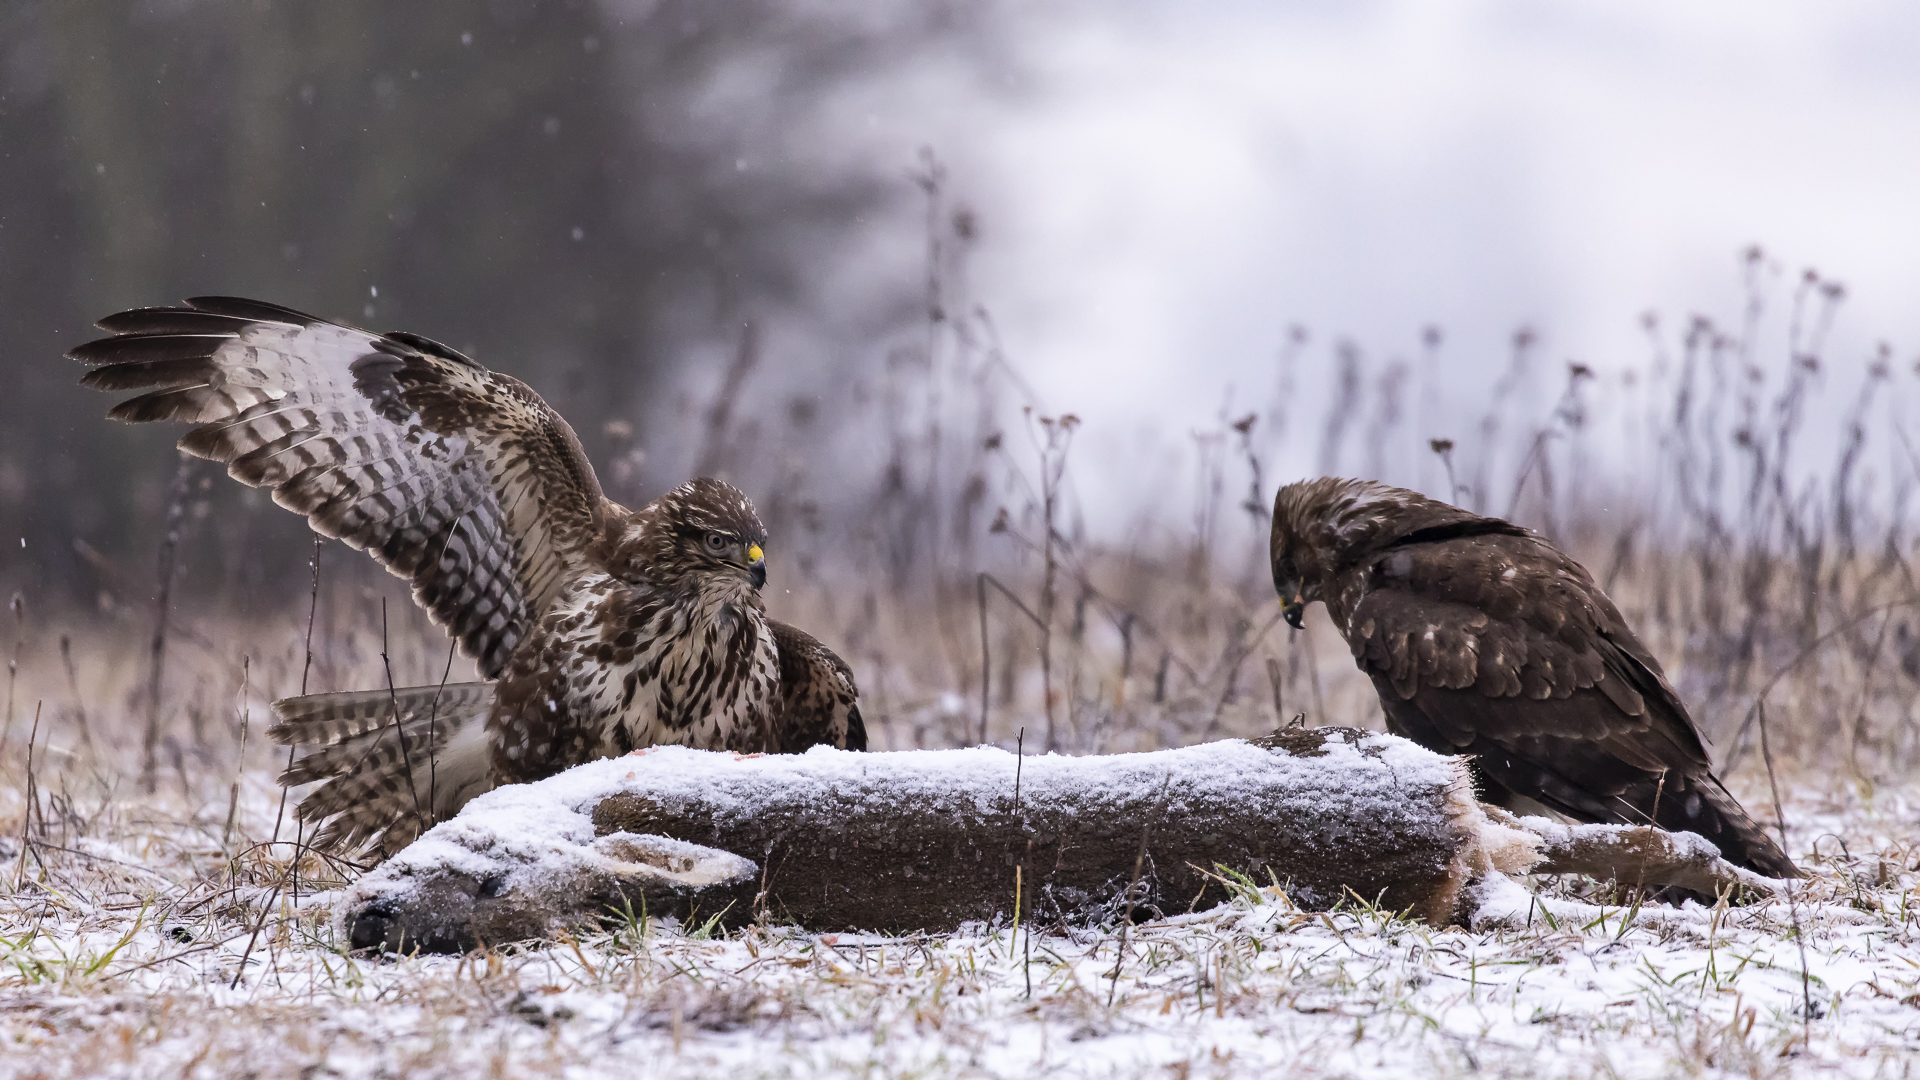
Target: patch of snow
532 823
95 982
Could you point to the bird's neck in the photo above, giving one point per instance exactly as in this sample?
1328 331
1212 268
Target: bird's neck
722 592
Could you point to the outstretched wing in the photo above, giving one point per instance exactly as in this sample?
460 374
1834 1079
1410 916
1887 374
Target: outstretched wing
819 703
456 478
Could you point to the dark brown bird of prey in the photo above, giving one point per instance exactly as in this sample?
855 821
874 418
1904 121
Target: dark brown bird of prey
1483 639
599 629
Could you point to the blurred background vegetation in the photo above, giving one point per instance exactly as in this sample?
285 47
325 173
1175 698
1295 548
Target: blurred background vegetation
681 223
595 197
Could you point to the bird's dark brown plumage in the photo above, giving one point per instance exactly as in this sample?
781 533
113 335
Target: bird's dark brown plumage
600 629
1482 638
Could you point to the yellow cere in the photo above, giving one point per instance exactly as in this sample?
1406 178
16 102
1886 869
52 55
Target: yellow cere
754 554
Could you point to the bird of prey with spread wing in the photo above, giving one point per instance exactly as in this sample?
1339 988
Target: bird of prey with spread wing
1482 638
597 628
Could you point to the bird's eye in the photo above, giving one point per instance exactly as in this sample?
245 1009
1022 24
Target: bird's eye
716 542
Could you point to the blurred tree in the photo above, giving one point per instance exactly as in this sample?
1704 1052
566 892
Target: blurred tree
584 194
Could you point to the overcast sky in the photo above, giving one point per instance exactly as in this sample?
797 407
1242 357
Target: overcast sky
1189 179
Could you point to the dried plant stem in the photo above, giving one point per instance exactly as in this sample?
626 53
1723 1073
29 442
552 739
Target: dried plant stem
18 605
986 657
1313 677
1866 692
1133 888
1236 659
1045 618
720 415
989 579
399 729
1026 957
1019 871
254 937
73 687
239 768
306 668
1053 472
1793 891
313 607
157 649
433 735
1019 760
32 801
1808 652
291 880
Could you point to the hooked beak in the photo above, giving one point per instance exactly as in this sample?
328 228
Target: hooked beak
756 566
1293 608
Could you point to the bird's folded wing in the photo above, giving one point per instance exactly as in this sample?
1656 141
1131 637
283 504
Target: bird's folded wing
458 479
819 703
1511 619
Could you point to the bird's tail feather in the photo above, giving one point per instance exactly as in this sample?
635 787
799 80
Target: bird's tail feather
1701 804
389 763
1675 800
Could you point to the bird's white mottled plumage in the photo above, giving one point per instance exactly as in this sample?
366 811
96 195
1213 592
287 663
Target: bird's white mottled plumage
641 692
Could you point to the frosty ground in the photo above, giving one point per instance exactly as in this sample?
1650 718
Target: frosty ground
121 954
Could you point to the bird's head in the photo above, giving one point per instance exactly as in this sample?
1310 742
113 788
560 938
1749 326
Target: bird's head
1323 528
1316 524
1292 590
1296 591
705 527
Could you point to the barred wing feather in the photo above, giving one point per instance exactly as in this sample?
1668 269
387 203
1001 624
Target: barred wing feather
461 480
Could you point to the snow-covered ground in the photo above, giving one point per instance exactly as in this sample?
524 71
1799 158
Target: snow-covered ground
119 956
